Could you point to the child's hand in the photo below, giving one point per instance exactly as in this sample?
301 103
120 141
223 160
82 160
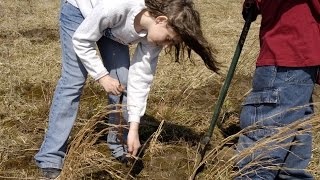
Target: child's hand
111 85
133 139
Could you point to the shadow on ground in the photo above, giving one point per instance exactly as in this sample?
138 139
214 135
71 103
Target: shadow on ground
166 161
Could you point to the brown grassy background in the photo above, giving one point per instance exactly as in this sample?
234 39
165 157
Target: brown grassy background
179 109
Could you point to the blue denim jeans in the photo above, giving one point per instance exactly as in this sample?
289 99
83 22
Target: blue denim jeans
275 91
64 107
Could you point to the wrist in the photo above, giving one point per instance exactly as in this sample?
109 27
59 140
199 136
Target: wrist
134 126
103 78
134 118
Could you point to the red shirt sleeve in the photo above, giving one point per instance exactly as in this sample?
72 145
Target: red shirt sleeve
316 6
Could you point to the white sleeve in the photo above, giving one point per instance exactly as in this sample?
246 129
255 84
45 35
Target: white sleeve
141 73
89 32
85 6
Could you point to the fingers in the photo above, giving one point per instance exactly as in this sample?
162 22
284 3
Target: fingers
115 92
133 150
110 85
130 150
120 88
133 145
117 89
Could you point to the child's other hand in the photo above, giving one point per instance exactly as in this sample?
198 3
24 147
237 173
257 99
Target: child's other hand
133 139
111 85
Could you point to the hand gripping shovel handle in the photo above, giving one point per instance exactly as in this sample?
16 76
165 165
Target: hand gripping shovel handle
223 92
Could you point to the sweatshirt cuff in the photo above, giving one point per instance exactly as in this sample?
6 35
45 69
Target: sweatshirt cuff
100 75
134 118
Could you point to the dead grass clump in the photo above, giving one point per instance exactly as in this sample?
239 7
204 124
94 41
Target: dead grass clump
182 97
166 160
86 158
220 161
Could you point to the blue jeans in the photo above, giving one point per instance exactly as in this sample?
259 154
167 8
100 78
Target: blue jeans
275 91
64 107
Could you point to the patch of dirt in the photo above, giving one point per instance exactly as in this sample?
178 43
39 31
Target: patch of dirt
171 163
41 35
37 36
230 124
18 160
34 91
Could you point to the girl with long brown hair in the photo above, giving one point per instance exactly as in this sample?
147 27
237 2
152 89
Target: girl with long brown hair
112 26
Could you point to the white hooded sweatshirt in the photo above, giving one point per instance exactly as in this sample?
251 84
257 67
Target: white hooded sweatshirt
115 19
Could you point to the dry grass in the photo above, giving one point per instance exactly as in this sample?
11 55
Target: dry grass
179 108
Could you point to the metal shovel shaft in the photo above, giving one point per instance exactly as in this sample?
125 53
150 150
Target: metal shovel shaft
225 87
223 92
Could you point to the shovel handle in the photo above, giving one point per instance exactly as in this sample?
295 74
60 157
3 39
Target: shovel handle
223 92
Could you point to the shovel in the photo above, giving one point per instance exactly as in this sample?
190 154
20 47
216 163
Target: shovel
223 92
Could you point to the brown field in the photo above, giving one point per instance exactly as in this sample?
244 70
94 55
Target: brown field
179 111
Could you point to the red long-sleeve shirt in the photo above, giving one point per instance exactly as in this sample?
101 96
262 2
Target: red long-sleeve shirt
289 33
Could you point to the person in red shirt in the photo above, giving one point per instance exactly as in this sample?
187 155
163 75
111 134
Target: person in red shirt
286 72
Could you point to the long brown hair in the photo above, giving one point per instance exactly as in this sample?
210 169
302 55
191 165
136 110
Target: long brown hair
185 20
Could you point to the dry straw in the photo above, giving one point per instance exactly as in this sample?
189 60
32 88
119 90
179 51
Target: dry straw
180 103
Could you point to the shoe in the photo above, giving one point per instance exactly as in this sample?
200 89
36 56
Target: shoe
51 173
